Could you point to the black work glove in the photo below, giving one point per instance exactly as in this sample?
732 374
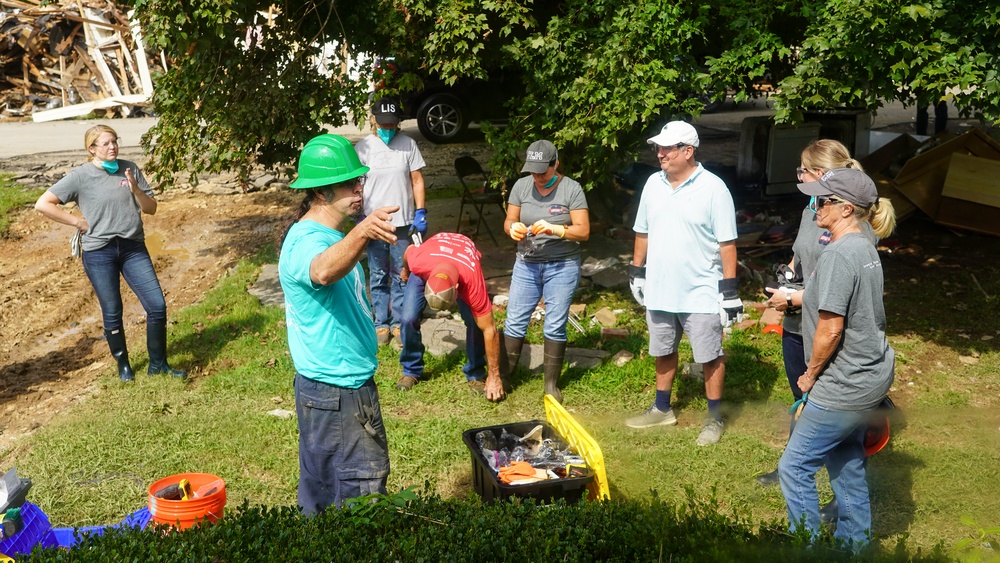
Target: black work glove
731 304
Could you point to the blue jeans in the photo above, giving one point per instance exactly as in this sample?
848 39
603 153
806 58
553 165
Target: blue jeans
412 355
129 259
384 263
532 281
836 438
340 456
793 352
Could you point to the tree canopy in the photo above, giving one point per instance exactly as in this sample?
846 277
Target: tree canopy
250 81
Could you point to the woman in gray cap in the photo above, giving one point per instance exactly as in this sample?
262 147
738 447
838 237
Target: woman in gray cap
849 361
547 216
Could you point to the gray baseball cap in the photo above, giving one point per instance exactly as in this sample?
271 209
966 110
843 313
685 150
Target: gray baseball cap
538 157
850 184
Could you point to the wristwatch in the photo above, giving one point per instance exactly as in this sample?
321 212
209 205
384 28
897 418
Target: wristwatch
788 296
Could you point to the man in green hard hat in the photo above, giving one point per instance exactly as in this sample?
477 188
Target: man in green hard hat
343 451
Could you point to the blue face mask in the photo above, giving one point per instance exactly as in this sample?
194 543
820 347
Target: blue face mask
110 165
386 134
812 204
551 182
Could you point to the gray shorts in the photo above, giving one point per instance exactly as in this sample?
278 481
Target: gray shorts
704 331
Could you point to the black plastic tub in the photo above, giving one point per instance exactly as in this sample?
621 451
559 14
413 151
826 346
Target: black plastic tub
488 485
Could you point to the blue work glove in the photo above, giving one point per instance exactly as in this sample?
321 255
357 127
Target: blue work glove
731 304
637 283
420 221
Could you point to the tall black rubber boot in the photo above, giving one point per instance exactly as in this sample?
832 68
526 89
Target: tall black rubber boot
552 366
156 345
116 341
510 356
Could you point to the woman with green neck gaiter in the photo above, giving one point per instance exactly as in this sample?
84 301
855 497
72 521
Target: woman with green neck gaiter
112 194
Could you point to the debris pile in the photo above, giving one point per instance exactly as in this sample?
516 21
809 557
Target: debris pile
70 58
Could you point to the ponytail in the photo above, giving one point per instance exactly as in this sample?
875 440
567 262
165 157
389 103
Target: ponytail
882 218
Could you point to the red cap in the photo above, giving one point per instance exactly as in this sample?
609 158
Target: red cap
441 289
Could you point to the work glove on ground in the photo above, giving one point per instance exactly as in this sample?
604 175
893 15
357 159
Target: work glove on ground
637 282
542 226
731 310
518 231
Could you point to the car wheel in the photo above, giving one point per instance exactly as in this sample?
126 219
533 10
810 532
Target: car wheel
442 118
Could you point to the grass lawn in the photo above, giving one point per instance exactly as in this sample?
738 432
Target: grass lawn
930 484
13 196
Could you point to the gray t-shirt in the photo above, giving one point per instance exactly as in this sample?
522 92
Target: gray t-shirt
106 202
808 245
848 282
554 208
388 180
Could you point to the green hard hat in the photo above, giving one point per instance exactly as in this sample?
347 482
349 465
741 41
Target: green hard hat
327 159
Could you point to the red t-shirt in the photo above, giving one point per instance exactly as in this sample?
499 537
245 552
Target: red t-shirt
461 251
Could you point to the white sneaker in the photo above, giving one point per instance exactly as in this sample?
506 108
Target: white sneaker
711 432
652 417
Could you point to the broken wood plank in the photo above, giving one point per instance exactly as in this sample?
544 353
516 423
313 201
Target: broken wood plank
78 110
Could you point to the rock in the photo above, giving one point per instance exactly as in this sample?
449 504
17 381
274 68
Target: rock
622 357
212 188
263 180
614 333
695 371
746 324
771 317
592 265
578 309
611 278
605 317
282 414
500 300
267 288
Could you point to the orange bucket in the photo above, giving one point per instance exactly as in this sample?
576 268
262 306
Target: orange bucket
208 504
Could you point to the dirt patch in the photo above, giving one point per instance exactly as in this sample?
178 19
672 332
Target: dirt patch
52 347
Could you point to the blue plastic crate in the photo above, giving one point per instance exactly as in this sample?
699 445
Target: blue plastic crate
69 537
36 531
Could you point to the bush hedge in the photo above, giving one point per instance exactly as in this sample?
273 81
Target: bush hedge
412 528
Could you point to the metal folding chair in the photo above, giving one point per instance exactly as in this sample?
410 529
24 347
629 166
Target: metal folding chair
476 192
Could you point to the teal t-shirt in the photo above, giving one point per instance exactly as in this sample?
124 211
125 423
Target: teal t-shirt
331 334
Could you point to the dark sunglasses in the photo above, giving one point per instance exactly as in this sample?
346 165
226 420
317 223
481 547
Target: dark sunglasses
821 201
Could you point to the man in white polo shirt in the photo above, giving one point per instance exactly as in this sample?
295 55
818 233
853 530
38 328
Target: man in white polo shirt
683 268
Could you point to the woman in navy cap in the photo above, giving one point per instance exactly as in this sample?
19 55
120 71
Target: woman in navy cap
396 179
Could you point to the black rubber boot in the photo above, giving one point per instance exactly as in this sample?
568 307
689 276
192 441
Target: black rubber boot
116 341
510 357
768 479
552 366
156 345
830 513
